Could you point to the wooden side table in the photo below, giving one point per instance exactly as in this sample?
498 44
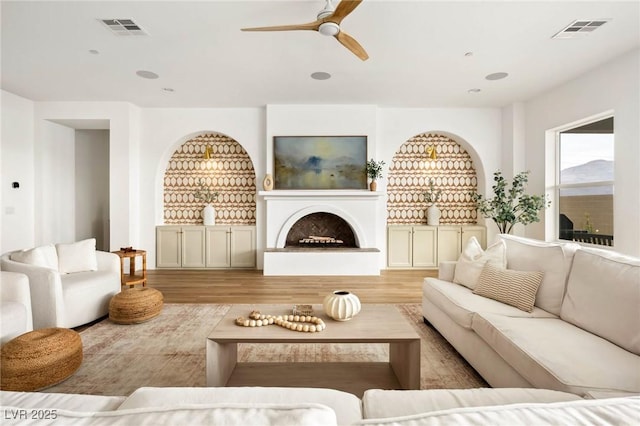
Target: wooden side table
133 277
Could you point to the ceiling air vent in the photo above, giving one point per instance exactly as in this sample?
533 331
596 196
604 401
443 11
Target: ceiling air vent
580 28
123 27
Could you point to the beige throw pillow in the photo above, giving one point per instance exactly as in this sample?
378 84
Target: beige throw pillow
77 257
515 288
473 258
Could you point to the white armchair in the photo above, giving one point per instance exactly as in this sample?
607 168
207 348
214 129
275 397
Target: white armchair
68 299
15 305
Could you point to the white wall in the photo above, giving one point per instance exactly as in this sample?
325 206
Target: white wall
55 183
124 159
17 165
92 186
611 87
513 140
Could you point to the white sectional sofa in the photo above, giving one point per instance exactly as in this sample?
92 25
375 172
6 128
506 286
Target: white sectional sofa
310 406
582 335
15 305
71 284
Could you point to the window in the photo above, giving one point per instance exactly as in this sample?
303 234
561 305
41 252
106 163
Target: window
586 182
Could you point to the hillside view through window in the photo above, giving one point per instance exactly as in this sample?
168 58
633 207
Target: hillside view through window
586 183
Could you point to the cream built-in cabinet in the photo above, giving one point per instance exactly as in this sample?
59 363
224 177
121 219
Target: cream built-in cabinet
423 246
194 246
451 240
180 247
231 246
412 246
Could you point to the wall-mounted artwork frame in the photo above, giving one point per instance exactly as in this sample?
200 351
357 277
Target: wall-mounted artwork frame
320 162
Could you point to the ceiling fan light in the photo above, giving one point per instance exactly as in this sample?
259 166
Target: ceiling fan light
329 29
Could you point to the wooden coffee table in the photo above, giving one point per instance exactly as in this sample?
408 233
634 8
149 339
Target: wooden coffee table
374 324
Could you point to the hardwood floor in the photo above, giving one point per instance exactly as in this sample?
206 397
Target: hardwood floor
250 286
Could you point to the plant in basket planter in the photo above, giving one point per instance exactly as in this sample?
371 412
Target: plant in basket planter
374 171
510 205
432 197
207 196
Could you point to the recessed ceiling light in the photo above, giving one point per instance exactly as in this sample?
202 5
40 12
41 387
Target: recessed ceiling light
468 54
474 90
497 76
147 74
321 75
168 89
94 52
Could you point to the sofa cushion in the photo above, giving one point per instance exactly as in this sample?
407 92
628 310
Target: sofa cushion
473 258
615 411
515 288
13 320
62 401
460 304
347 407
77 257
554 354
554 259
603 296
210 414
378 403
81 294
44 256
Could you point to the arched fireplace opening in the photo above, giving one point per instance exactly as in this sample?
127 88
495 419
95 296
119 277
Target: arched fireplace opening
321 229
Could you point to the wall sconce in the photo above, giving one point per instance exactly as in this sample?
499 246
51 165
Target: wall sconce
431 152
208 153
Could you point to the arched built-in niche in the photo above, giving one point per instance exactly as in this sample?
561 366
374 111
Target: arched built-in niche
229 171
409 174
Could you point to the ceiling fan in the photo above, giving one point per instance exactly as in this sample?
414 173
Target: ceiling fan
327 23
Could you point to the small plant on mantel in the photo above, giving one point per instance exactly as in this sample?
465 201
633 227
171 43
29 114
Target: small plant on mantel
374 171
432 196
510 205
205 194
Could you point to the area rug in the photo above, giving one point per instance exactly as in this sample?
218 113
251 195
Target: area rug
169 350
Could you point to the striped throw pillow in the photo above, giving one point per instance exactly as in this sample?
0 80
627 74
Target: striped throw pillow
515 288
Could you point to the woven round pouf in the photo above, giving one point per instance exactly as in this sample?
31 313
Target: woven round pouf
39 359
135 305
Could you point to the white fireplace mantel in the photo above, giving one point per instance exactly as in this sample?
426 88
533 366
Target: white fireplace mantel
357 207
319 193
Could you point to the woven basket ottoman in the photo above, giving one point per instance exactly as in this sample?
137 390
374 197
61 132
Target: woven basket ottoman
39 359
135 305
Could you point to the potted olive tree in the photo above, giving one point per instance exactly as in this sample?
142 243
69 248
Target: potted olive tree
510 205
374 171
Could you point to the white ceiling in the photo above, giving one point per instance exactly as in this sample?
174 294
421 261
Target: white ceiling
416 48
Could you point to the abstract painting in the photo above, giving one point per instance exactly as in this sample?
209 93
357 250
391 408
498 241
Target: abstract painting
320 162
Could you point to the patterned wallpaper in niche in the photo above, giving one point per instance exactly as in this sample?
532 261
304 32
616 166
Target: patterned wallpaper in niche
409 174
229 171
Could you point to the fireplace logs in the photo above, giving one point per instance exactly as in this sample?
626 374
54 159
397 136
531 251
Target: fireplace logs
313 240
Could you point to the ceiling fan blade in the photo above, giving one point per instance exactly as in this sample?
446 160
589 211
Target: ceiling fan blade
342 10
350 43
310 26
